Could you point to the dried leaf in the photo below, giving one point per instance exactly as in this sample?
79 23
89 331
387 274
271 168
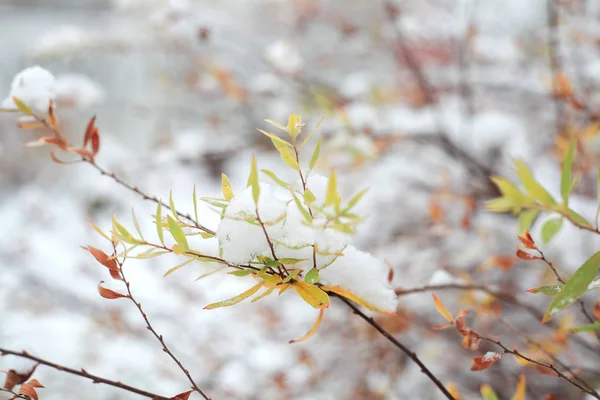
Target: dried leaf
351 296
483 362
109 293
28 389
471 341
89 130
527 241
313 329
106 260
442 309
183 396
95 142
526 256
14 378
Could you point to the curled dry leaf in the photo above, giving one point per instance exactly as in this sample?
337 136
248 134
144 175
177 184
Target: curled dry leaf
313 329
527 241
28 389
483 362
442 309
526 256
95 142
471 341
14 378
89 130
183 396
106 260
108 293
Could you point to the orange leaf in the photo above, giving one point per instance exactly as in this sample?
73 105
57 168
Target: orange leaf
95 142
482 362
89 130
528 244
351 296
35 383
521 388
435 212
526 256
471 341
52 115
453 390
28 389
312 330
182 396
108 293
106 260
14 378
442 309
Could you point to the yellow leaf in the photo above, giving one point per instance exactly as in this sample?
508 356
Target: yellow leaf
521 388
289 158
313 295
226 185
442 309
453 390
265 294
312 330
236 299
331 195
351 296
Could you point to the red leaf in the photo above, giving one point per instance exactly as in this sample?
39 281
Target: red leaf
106 260
91 126
526 242
95 142
28 389
482 362
182 396
526 256
108 293
471 341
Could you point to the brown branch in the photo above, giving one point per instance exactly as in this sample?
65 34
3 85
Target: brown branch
14 394
158 336
83 373
411 354
271 247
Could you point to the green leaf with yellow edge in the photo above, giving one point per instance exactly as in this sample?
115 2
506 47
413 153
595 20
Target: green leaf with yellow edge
575 287
292 274
177 232
488 393
309 197
294 124
315 156
577 219
137 225
265 294
288 157
226 187
586 328
566 178
526 219
253 181
276 124
351 296
331 195
195 200
241 272
312 276
301 208
236 299
276 179
278 142
313 295
550 228
311 134
175 268
24 108
313 329
214 202
122 233
532 187
172 206
159 227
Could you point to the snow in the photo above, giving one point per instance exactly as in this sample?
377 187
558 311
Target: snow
285 56
34 86
78 90
65 39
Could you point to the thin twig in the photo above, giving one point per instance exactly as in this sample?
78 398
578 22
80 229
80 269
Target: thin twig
411 354
14 394
159 337
83 373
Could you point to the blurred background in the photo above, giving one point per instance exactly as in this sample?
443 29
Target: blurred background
423 102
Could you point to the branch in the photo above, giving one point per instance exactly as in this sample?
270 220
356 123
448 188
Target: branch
159 337
83 373
15 394
411 354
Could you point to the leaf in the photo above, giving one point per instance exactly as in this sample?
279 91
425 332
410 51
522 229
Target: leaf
209 273
172 206
28 389
309 197
207 235
301 208
14 378
521 388
265 294
483 362
488 393
195 203
276 179
586 328
123 233
95 142
289 158
241 272
159 227
104 235
177 232
31 125
253 181
182 396
291 261
276 124
24 108
278 142
108 293
236 299
550 228
526 256
351 296
313 329
578 219
575 287
310 134
213 202
175 268
532 187
106 260
566 179
527 241
547 290
293 126
331 194
315 156
91 125
313 295
312 276
526 219
442 308
355 199
292 274
137 225
226 186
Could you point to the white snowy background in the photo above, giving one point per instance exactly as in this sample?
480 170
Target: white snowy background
179 88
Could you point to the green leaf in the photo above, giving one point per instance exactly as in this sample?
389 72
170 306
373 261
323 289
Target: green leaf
556 289
278 142
291 261
315 155
292 274
175 268
551 228
331 195
301 208
532 187
276 179
253 181
177 232
276 124
294 124
236 299
172 206
526 219
575 287
123 233
566 179
137 225
226 187
488 393
309 197
586 328
288 157
354 200
24 108
214 202
312 276
206 235
578 219
312 294
241 272
159 228
310 135
195 203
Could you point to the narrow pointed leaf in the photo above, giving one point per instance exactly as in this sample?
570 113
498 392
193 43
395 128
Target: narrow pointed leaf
172 206
442 308
331 194
137 225
175 268
276 124
288 157
311 134
265 294
177 232
313 329
532 186
226 186
313 295
551 228
159 227
236 299
195 200
315 155
276 179
358 300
